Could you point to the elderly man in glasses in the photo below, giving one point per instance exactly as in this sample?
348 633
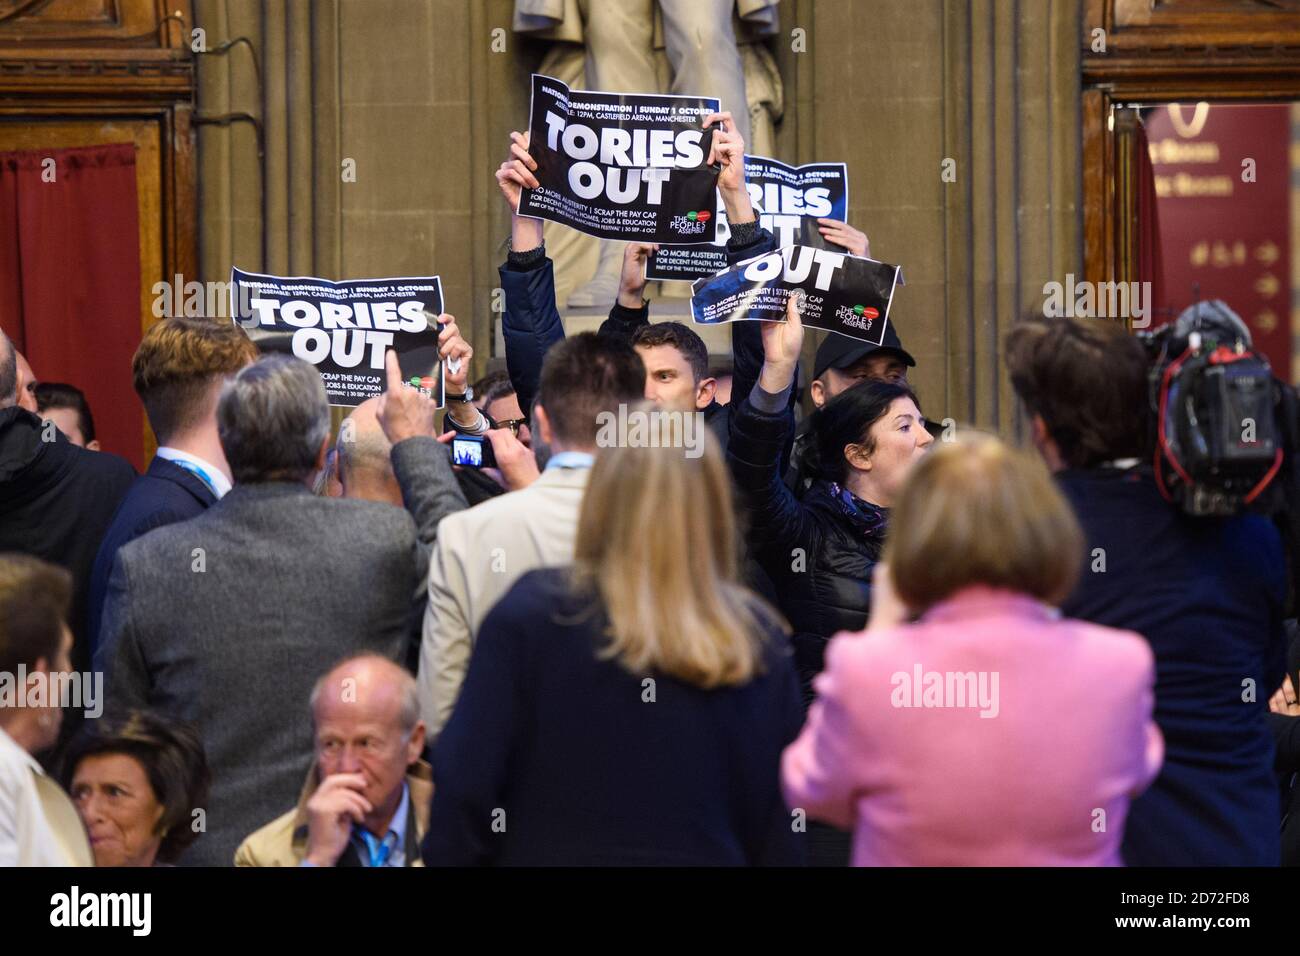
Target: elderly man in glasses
366 802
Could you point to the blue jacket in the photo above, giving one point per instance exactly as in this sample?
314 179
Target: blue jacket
555 755
1207 594
165 494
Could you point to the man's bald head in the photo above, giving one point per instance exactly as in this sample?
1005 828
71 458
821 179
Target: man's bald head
8 372
365 457
367 719
367 687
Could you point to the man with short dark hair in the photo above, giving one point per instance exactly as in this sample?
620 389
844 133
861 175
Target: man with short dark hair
178 371
223 620
56 499
481 552
66 406
1206 593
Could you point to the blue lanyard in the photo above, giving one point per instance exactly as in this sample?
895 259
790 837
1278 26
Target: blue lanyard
196 470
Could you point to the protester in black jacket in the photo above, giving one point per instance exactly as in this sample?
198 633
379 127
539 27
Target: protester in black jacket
820 551
56 499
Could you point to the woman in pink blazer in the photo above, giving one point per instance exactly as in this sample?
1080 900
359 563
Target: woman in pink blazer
989 731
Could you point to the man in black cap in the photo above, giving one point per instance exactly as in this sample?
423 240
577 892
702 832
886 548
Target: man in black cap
842 362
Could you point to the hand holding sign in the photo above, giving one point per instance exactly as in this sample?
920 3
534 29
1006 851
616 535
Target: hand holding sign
842 234
456 352
782 342
728 150
404 411
516 173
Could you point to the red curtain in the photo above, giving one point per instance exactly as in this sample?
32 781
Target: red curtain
70 278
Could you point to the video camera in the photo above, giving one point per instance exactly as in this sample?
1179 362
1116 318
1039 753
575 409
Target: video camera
1219 413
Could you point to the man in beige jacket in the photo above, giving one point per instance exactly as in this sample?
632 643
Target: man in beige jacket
484 550
366 800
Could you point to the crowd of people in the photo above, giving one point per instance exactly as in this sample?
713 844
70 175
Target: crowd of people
851 637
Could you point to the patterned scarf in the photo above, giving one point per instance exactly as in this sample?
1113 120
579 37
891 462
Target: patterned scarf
867 519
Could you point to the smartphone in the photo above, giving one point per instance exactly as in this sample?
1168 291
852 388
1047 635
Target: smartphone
472 451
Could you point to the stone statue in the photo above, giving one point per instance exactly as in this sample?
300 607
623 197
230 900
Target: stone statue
703 42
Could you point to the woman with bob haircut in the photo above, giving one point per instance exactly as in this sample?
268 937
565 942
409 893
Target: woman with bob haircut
990 731
820 550
136 781
630 709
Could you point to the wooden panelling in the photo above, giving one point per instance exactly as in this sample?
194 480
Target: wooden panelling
90 72
1171 51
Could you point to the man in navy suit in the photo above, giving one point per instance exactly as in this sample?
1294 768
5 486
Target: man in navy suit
178 371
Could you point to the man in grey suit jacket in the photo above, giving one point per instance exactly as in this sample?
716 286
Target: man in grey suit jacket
226 619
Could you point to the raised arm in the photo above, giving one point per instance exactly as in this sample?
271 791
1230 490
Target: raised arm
630 310
761 426
531 323
747 239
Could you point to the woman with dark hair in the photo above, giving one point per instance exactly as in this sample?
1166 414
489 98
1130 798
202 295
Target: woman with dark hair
137 782
820 550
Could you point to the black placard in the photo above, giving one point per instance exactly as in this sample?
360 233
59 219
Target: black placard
627 166
344 328
843 293
788 200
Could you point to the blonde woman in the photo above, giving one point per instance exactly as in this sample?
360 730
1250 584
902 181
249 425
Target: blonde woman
630 709
990 732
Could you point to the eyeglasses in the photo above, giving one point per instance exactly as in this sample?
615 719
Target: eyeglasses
514 424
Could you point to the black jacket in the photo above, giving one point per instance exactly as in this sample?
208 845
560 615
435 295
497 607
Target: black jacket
819 551
56 502
165 494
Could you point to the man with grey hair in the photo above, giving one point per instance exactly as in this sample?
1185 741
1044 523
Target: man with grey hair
366 800
223 619
56 499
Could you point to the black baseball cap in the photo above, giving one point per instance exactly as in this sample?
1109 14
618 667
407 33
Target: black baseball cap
841 351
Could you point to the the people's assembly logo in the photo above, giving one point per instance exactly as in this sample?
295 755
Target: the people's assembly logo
858 317
690 224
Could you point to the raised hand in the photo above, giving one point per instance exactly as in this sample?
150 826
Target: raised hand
782 342
404 411
728 150
456 352
516 173
513 177
631 284
842 234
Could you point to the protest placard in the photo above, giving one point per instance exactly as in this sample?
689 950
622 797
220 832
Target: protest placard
627 166
344 328
842 293
788 201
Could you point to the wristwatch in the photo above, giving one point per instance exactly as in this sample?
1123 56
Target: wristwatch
467 397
